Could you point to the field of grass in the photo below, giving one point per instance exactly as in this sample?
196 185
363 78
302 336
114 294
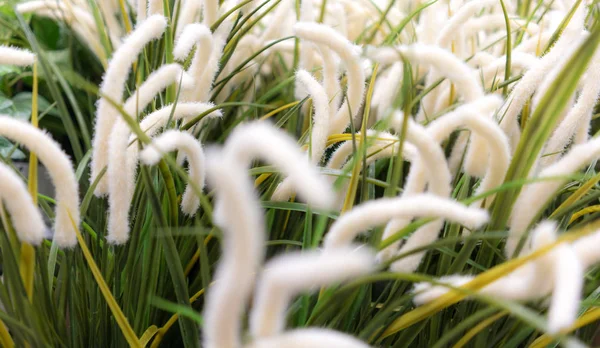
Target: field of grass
382 173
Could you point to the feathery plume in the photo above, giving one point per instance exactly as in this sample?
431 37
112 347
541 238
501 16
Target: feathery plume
331 82
238 212
459 19
176 140
527 86
386 88
326 36
379 211
61 172
113 86
210 12
158 119
287 275
579 114
240 218
121 167
316 338
320 128
16 56
534 197
496 142
142 7
200 36
530 281
26 217
155 7
431 158
568 285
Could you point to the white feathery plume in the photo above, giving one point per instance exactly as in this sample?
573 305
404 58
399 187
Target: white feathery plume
530 281
376 212
466 12
568 286
386 89
438 175
475 119
121 167
331 82
533 44
533 197
188 14
185 142
79 19
16 56
287 275
320 128
155 7
586 249
528 84
560 271
381 143
282 151
448 65
61 173
113 86
326 36
158 119
238 212
59 8
142 7
26 217
239 215
579 114
496 22
311 337
306 60
210 12
200 36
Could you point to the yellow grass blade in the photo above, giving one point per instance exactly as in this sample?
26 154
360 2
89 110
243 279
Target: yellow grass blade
577 195
589 317
121 319
480 281
477 329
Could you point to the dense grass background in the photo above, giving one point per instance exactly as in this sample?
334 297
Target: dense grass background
158 279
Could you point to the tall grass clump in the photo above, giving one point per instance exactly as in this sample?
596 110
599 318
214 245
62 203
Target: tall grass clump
299 173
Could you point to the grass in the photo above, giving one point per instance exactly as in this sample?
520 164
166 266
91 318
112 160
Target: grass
150 291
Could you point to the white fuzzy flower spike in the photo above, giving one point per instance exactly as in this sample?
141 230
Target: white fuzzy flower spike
320 128
185 142
534 197
113 86
210 12
473 116
527 85
61 172
579 114
121 167
26 217
326 36
158 119
465 13
438 175
287 275
200 36
531 281
568 286
238 212
373 213
314 338
16 56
